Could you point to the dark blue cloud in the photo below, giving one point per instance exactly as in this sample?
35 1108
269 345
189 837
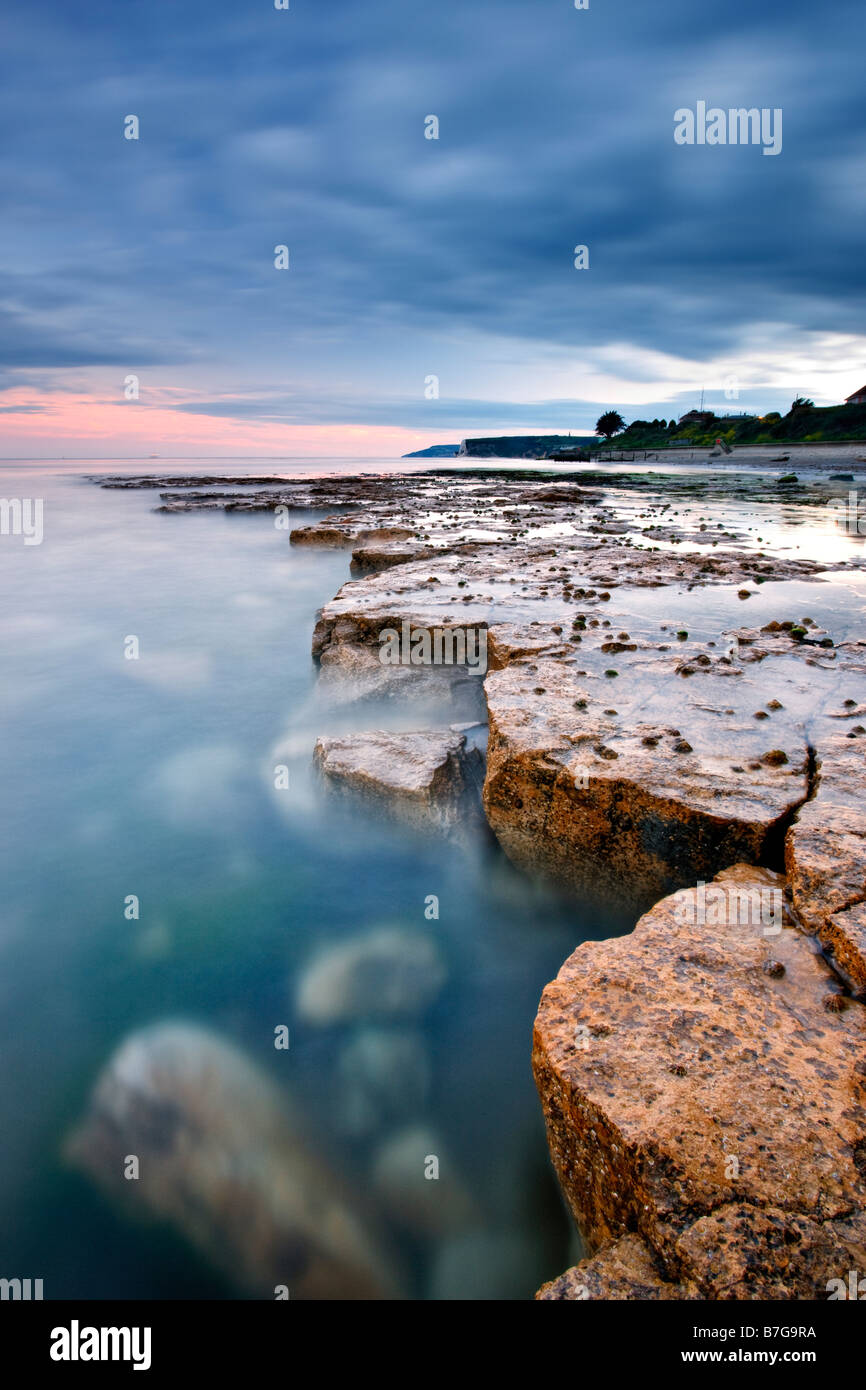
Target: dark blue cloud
305 127
467 415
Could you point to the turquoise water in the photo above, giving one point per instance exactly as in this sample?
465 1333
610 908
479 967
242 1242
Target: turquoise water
154 777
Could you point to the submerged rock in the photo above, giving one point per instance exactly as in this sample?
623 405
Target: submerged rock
384 1074
712 1108
389 972
425 1204
424 779
222 1159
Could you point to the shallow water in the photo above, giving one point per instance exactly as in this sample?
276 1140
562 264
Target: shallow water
154 777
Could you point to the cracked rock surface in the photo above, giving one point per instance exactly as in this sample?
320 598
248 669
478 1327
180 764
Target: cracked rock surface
702 1097
826 856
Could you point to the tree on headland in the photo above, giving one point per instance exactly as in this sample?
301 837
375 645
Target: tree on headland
609 424
802 403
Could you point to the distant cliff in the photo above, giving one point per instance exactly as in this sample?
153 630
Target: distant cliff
436 451
522 446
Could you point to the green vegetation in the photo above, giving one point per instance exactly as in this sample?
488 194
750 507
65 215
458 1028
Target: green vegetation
804 422
522 446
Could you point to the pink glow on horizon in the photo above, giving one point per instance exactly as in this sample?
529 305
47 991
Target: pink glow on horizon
80 425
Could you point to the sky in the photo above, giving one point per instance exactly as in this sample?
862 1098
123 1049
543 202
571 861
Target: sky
431 291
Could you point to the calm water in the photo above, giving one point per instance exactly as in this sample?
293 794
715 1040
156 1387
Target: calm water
155 777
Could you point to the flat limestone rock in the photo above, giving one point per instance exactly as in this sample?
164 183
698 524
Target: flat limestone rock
222 1160
329 535
421 778
624 806
324 537
626 757
373 556
704 1087
351 669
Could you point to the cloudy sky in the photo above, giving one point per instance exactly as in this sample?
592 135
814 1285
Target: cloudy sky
714 268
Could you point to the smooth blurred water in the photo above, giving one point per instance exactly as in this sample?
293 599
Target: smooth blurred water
155 777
